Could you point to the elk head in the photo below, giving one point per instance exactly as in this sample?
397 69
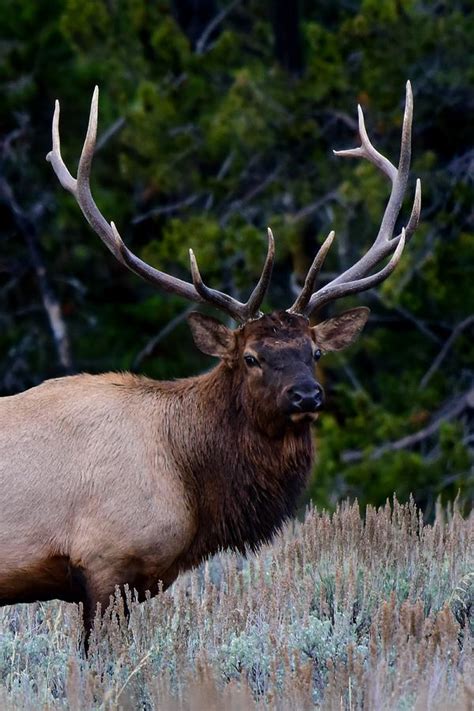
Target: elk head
272 354
274 360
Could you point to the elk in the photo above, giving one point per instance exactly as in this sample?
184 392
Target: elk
117 479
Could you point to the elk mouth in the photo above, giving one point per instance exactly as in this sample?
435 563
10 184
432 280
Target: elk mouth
299 417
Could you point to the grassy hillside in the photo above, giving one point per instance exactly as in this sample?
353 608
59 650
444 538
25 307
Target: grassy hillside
341 612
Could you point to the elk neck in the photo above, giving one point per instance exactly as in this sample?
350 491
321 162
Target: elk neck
242 483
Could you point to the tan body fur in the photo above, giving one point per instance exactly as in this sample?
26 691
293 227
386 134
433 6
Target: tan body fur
91 486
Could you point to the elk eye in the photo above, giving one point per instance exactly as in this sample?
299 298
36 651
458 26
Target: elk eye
251 361
317 354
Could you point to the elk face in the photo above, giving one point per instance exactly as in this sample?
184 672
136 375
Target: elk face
274 359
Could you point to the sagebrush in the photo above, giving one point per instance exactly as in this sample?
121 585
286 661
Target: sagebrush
343 611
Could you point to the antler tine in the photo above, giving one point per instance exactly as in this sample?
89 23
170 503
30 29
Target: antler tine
398 177
54 156
258 294
211 296
356 279
335 291
308 287
83 192
239 311
80 189
367 150
415 212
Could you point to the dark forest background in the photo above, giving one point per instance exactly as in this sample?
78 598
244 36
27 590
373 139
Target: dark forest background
216 120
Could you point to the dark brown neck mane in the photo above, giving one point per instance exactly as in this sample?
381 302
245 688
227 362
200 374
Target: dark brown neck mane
243 484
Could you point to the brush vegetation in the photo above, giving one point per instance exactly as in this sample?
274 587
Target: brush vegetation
340 612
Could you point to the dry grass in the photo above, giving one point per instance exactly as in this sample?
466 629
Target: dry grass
339 613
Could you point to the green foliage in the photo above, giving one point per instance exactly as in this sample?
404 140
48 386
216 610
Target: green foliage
208 145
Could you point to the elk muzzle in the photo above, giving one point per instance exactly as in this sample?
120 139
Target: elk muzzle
305 398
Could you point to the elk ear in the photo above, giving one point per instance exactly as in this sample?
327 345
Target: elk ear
339 332
211 336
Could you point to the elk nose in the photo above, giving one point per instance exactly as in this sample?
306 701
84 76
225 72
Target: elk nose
307 396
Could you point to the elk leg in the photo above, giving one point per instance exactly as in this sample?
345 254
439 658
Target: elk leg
89 612
101 582
100 592
88 615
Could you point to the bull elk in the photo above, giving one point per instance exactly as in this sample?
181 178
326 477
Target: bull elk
117 479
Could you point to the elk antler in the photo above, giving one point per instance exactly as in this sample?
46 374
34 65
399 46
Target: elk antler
197 291
356 279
